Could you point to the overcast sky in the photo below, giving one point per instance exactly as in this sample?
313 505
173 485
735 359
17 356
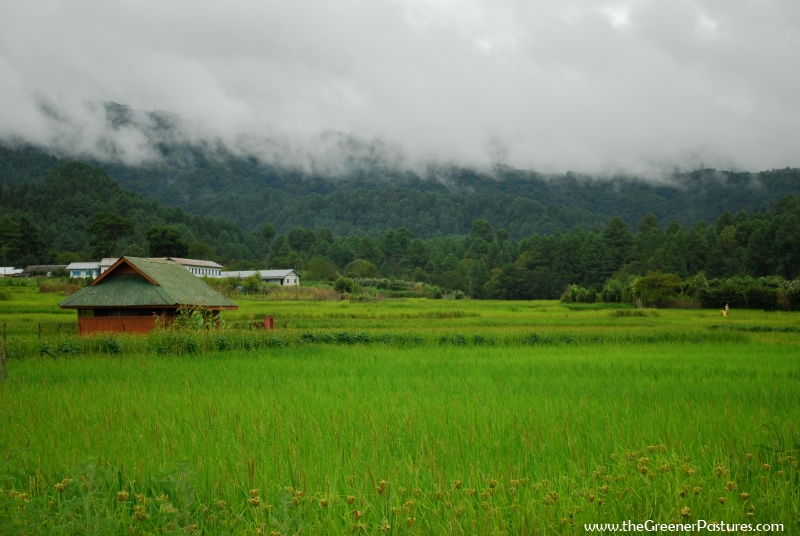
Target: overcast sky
551 85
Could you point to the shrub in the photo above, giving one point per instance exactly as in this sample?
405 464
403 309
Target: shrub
792 289
576 294
656 288
343 285
531 339
762 298
112 346
345 338
435 293
224 344
190 346
363 337
308 337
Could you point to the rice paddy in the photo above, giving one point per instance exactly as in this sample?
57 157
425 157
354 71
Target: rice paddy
402 417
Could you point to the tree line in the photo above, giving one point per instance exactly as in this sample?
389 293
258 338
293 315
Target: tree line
79 213
440 201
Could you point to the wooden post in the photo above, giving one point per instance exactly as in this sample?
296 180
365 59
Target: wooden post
3 354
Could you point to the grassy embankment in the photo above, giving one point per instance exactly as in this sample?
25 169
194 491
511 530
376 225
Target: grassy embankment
410 436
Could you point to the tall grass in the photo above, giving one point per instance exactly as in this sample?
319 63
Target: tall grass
416 439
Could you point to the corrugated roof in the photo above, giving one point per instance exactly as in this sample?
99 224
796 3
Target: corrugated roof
83 266
263 274
175 286
195 262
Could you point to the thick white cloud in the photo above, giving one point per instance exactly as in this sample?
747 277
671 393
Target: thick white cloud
553 85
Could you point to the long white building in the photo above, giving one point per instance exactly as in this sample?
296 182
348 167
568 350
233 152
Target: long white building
278 277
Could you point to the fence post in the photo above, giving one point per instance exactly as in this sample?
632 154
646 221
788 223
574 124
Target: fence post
3 354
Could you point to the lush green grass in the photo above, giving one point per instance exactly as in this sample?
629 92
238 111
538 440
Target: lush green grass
611 414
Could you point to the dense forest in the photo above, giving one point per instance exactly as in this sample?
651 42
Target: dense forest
368 200
72 215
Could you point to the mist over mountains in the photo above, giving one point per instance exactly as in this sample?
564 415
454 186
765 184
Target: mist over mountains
351 185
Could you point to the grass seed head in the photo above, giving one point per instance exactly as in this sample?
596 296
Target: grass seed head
253 493
745 496
122 496
351 499
457 484
221 505
730 486
323 502
722 500
697 490
357 514
686 512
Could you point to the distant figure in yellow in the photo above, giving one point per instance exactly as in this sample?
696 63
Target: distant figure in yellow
725 311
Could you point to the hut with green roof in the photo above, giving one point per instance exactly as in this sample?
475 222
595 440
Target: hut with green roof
133 293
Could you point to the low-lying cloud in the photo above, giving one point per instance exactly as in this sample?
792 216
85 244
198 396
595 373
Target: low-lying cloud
599 87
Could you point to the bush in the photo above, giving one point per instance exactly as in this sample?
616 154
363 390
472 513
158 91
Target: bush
531 339
792 289
762 298
719 295
308 337
112 346
656 288
224 344
576 294
343 285
345 338
363 337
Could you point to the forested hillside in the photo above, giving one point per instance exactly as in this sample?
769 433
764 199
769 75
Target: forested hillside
64 218
47 222
369 200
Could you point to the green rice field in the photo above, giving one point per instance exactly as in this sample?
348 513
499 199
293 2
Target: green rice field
401 417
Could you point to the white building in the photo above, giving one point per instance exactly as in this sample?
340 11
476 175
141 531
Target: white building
278 277
84 269
10 271
107 263
197 267
200 268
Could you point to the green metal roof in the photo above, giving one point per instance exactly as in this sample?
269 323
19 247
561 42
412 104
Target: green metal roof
175 286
